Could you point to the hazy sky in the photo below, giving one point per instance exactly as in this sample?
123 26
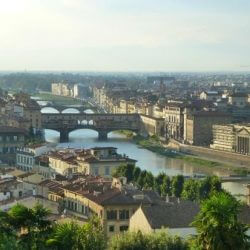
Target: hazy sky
125 35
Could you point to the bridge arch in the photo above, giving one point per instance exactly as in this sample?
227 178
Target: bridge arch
50 110
70 110
52 135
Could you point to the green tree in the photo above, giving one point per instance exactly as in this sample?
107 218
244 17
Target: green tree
141 179
126 170
136 173
218 226
149 181
72 236
158 182
32 223
208 185
177 185
166 186
190 190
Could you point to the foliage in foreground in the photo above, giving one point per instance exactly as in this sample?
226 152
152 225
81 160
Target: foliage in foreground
218 226
71 236
153 241
22 228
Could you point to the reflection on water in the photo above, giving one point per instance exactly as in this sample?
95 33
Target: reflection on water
85 138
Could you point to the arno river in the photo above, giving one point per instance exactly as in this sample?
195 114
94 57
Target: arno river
84 138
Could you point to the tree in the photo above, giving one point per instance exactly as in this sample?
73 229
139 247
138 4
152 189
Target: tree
177 185
141 179
72 236
65 236
166 186
136 173
190 190
218 226
158 182
208 185
30 226
149 181
125 171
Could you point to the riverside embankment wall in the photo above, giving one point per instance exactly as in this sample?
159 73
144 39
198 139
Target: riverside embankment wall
237 159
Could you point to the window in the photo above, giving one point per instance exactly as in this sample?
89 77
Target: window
123 228
111 228
96 171
1 138
107 171
15 138
124 214
112 215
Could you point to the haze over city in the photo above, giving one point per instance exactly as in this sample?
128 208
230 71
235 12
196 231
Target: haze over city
125 35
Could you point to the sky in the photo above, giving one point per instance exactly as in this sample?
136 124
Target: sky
125 35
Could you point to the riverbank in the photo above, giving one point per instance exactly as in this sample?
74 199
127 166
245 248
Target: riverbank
153 144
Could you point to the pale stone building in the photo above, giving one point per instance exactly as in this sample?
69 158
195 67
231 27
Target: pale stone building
174 121
232 138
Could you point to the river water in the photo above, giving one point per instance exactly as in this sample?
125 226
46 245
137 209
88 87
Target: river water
85 138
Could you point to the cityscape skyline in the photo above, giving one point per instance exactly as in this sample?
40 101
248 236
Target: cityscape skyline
124 36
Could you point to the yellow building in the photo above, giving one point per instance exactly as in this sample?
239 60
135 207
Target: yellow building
98 161
113 204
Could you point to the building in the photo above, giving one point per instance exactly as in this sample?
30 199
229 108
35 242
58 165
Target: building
152 125
26 156
66 89
112 201
31 111
174 121
210 95
166 80
62 89
95 161
10 187
238 99
175 216
232 138
198 125
11 138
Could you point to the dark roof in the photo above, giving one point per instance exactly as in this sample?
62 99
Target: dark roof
240 94
171 214
12 130
53 186
179 214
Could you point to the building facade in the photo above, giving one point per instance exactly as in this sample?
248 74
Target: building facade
10 139
198 126
232 138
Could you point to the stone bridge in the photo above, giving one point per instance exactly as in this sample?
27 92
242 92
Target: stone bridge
61 108
102 123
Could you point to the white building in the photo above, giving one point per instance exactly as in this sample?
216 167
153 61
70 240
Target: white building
25 157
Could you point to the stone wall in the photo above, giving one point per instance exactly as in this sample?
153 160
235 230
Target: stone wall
238 159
